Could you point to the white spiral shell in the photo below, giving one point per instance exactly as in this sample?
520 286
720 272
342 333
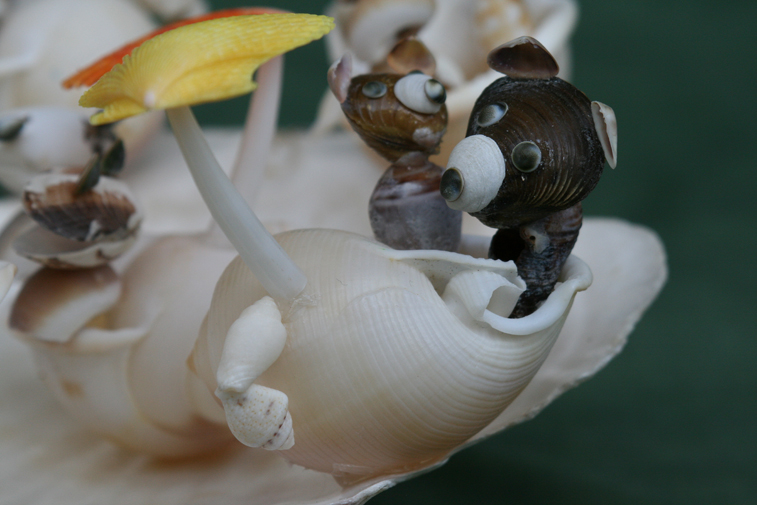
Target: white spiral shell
393 358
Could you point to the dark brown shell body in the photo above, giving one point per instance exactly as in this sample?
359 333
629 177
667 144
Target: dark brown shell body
387 126
557 118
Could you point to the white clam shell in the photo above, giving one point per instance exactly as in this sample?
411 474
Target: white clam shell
394 358
410 91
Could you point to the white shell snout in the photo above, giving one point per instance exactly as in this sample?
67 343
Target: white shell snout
481 168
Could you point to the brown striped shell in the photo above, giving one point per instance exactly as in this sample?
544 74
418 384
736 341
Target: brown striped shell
75 229
106 211
387 126
555 116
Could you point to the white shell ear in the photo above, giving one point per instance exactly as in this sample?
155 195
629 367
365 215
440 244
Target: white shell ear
607 129
339 77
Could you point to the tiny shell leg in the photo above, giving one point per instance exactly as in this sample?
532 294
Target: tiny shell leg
258 416
539 250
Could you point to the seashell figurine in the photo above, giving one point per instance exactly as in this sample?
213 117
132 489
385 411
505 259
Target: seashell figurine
536 147
403 118
339 309
362 364
459 33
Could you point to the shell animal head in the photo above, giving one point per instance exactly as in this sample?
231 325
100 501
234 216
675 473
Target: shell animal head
394 114
534 144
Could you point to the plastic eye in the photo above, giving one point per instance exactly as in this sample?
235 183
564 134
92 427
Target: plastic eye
435 91
526 156
491 114
374 89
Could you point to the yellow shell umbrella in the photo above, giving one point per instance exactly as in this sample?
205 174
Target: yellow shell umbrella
204 62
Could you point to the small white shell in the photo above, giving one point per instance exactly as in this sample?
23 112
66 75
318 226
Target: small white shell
411 92
607 130
482 167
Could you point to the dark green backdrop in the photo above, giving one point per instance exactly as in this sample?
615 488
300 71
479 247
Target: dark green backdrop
673 418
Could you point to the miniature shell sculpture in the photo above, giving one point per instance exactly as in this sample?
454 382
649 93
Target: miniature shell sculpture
403 118
458 32
536 147
355 359
370 364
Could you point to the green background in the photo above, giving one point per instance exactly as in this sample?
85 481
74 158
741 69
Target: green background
673 418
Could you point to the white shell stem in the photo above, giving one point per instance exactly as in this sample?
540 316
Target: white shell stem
260 251
248 170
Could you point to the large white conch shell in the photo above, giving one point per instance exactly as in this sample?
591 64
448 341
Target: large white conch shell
392 358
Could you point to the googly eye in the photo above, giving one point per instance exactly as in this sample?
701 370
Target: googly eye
435 91
491 114
415 91
526 156
374 89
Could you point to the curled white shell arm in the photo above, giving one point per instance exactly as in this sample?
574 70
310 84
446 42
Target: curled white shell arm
258 416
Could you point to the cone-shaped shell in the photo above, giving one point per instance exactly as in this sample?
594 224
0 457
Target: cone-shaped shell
202 62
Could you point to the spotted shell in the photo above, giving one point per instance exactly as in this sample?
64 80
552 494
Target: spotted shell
555 116
388 126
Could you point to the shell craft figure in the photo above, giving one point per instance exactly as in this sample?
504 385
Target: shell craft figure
402 117
535 148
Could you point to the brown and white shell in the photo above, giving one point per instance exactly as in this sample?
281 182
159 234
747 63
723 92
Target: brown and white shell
386 125
77 230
